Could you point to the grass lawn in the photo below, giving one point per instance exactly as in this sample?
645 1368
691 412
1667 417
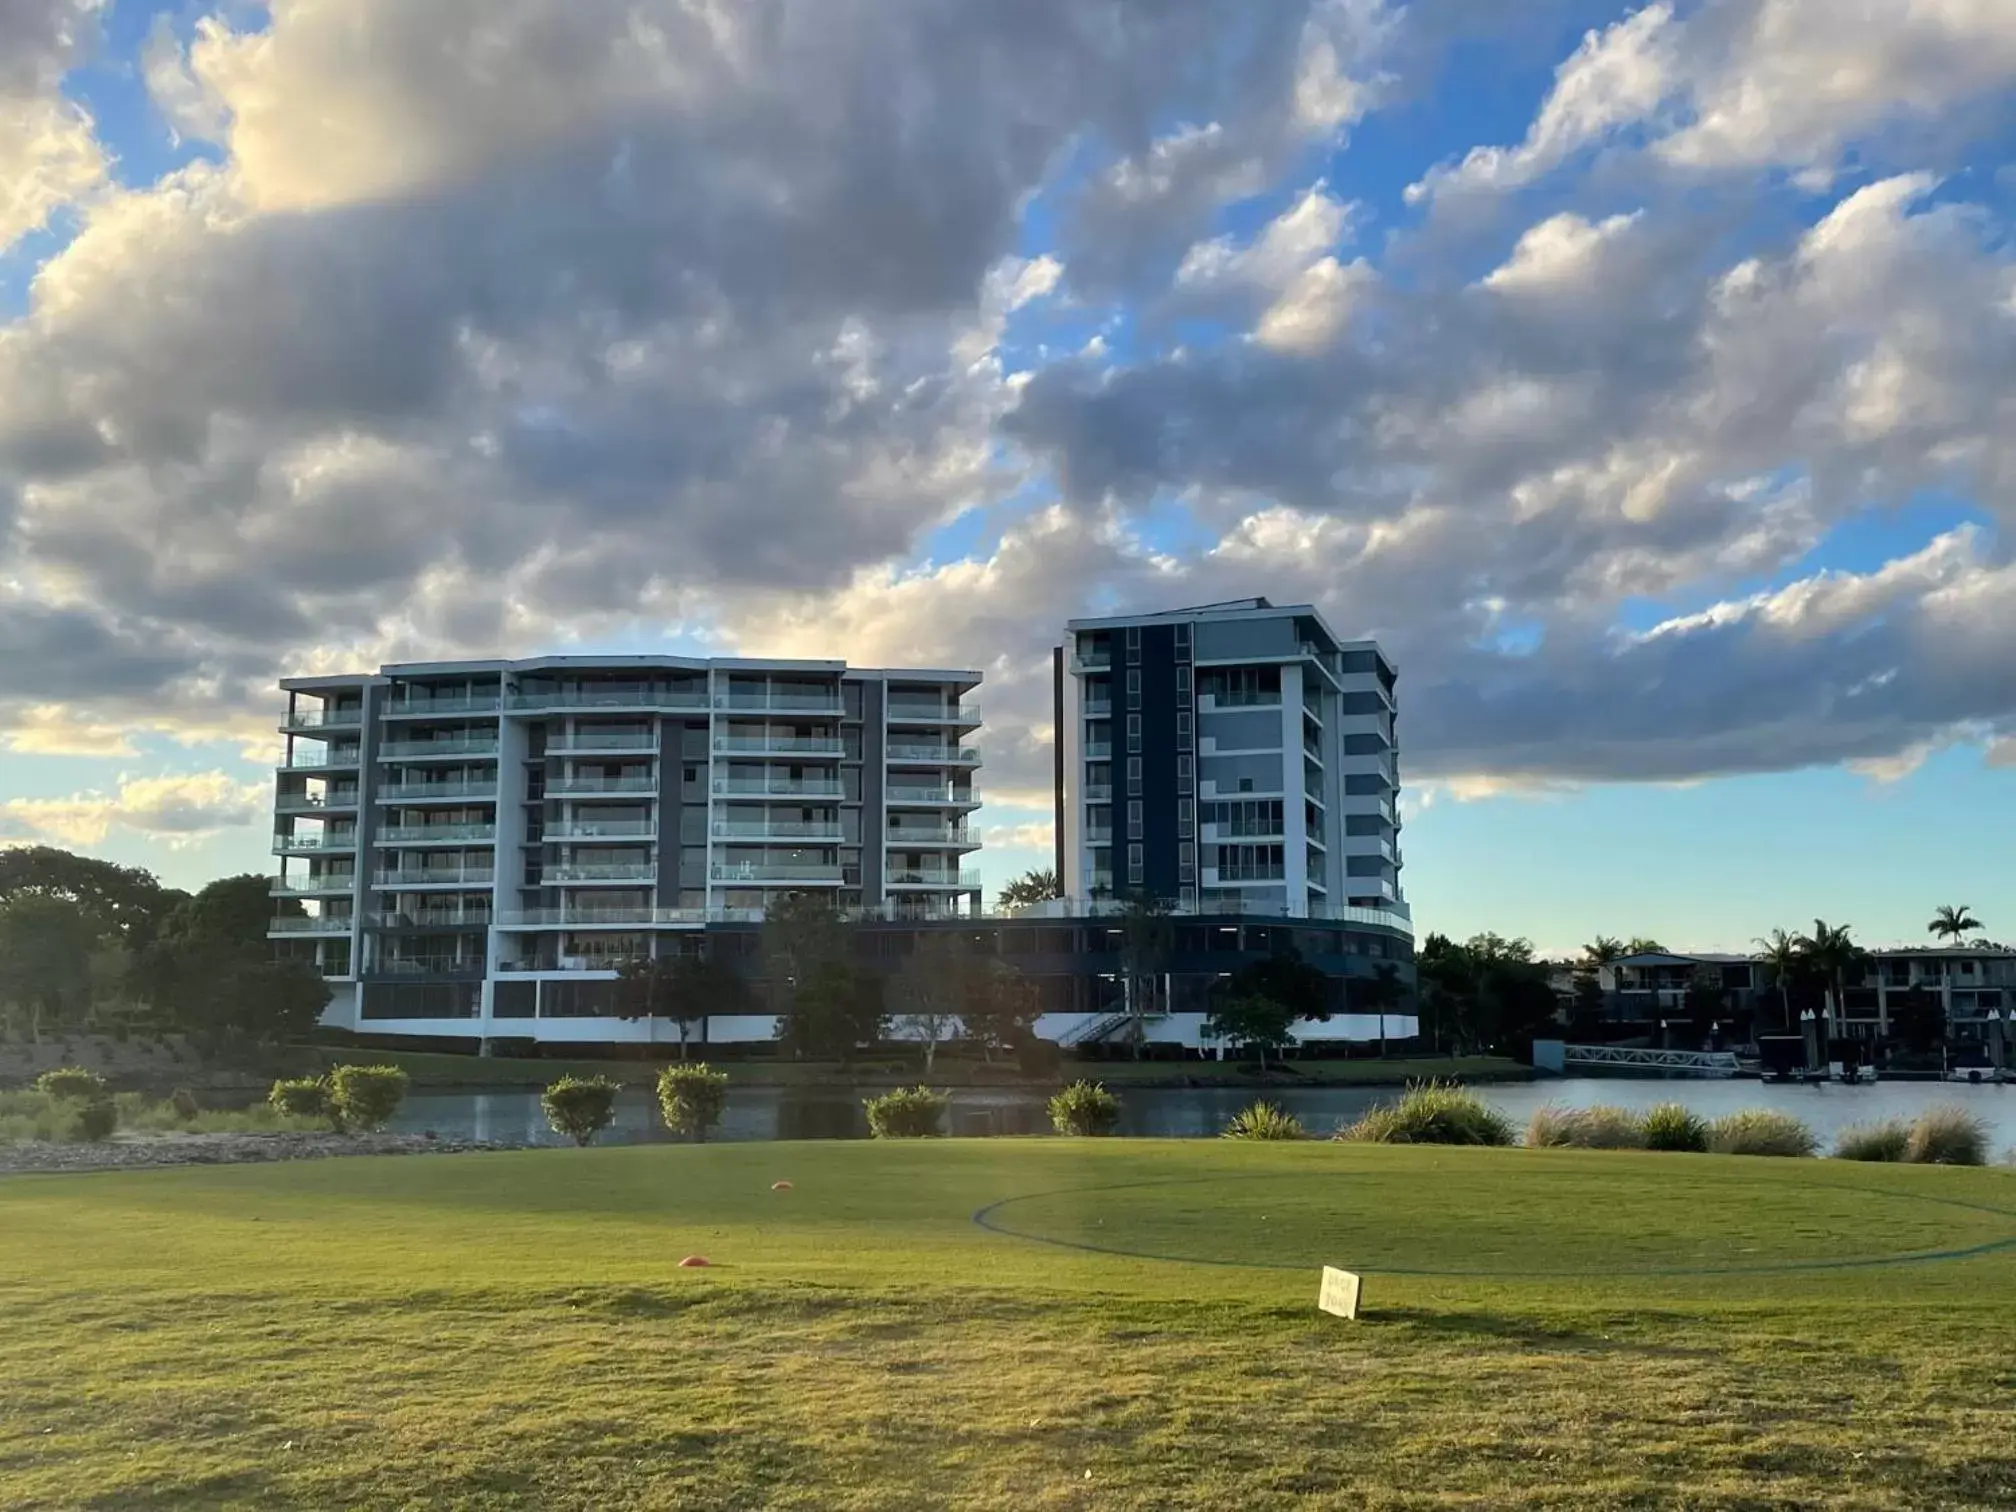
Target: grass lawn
1545 1328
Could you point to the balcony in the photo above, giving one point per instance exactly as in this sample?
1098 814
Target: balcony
775 871
1098 708
1217 876
436 966
435 876
780 745
601 787
939 834
316 803
899 793
964 717
932 755
589 917
300 925
430 918
1098 750
335 885
742 787
782 703
1098 792
297 845
622 696
436 792
606 961
319 759
435 834
323 719
1091 661
928 876
443 707
571 872
438 750
780 829
584 741
602 829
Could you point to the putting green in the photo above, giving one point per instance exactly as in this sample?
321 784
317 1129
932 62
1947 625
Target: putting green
1631 1221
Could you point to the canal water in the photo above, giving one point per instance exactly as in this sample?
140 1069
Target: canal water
756 1113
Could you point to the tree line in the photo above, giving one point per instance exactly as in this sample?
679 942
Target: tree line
89 946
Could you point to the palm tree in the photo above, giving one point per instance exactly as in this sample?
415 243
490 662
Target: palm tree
1832 953
1601 951
1030 887
1950 923
1782 959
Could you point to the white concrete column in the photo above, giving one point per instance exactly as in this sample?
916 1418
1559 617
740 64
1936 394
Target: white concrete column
1294 827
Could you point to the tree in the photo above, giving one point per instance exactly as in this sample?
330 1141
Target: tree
1834 955
1706 1002
1284 977
1382 993
1601 951
801 934
1146 936
1248 1019
930 990
211 971
47 947
834 1011
1917 1018
1001 1008
1782 959
1644 945
1950 923
1487 993
684 987
1031 887
125 898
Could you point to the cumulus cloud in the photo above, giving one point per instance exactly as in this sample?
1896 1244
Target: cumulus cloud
175 810
49 153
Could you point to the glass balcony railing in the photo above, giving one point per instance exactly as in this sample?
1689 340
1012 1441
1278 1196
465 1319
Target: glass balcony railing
427 750
781 829
942 834
927 876
932 713
936 754
1098 750
913 793
344 840
312 803
435 792
601 829
435 834
780 745
301 925
1098 792
792 703
619 916
322 719
775 871
429 918
621 696
581 786
308 887
603 871
435 876
750 787
316 758
451 703
603 740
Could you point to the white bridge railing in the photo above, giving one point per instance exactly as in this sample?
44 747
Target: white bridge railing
1707 1062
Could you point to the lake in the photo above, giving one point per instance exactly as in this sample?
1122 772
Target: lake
756 1113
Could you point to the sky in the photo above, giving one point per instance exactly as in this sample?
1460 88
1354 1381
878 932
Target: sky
1640 376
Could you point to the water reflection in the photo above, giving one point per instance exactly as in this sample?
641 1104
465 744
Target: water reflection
759 1113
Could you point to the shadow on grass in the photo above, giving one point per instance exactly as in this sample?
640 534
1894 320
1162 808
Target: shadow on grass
1429 1323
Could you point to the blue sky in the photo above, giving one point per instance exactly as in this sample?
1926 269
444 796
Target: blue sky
1639 375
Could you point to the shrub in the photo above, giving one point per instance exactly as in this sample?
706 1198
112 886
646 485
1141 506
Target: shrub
302 1097
1552 1127
690 1098
1884 1140
366 1097
580 1106
94 1120
1669 1126
1760 1131
1433 1113
72 1081
1265 1120
1084 1108
1948 1135
906 1113
183 1101
1608 1128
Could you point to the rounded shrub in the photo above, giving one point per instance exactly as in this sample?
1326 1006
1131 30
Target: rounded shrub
1886 1139
906 1113
1761 1131
1948 1135
1673 1126
1433 1113
1265 1120
73 1082
580 1106
94 1120
366 1097
183 1101
690 1098
1084 1108
301 1097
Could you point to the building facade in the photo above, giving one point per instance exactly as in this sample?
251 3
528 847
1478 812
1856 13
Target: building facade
1236 755
453 834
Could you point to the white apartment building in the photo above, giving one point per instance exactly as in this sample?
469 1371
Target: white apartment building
468 839
1235 756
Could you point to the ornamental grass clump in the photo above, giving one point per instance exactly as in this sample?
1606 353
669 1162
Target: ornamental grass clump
1673 1126
1761 1131
1599 1128
1433 1113
1265 1120
1084 1108
1887 1139
1948 1135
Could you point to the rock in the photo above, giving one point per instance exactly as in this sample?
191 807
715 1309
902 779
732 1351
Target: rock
132 1151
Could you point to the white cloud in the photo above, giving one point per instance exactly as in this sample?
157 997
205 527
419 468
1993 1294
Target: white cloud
175 810
49 152
53 730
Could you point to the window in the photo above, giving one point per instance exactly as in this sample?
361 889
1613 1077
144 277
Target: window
1183 643
1134 775
1134 819
1186 773
1182 679
1245 816
1186 818
1183 729
1134 732
1133 645
1249 863
1186 866
1135 865
1133 687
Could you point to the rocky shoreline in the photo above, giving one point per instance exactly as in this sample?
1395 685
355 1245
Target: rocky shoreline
135 1151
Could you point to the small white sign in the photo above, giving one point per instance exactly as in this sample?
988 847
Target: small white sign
1339 1295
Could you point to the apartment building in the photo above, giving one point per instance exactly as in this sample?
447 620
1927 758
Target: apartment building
467 839
1235 756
